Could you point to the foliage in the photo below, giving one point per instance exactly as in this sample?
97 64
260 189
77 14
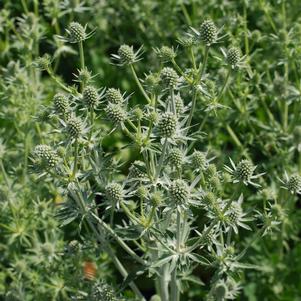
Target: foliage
150 150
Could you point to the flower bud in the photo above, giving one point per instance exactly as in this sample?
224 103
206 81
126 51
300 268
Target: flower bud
76 32
115 112
90 96
126 54
43 62
166 54
179 191
114 192
167 124
74 127
294 183
244 170
176 158
45 157
208 32
199 160
61 103
233 56
169 77
114 95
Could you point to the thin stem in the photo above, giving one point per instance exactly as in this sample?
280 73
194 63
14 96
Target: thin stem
178 68
193 104
82 62
246 28
233 136
174 287
139 84
129 213
4 174
244 251
161 159
59 82
75 159
199 77
204 64
185 13
128 133
192 58
173 105
220 94
118 239
24 4
164 284
151 216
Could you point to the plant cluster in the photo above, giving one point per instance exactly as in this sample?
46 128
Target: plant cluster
180 180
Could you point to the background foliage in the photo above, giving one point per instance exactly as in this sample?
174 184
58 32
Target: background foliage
38 260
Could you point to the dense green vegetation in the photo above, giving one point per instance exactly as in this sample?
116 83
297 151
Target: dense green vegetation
150 150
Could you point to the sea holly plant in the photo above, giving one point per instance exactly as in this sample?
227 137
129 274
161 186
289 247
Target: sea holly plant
173 208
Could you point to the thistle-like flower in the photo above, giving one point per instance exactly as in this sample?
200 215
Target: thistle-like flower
75 127
114 192
292 183
114 95
115 112
166 54
236 217
176 158
90 96
126 55
44 157
179 191
167 125
76 32
199 160
169 77
103 292
43 62
137 171
61 103
233 56
208 32
243 172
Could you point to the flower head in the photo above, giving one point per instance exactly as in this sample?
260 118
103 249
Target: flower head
167 124
292 183
208 32
243 172
115 112
127 56
169 77
61 103
114 192
90 96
